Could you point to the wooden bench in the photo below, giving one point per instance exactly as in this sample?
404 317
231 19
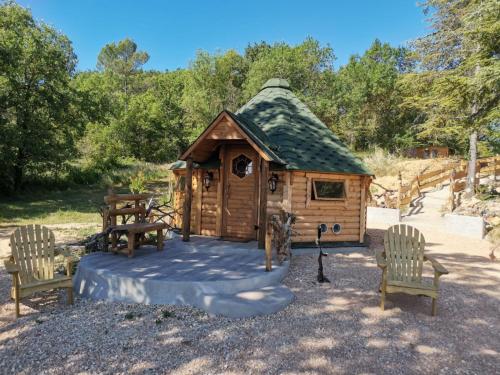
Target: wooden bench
134 234
134 206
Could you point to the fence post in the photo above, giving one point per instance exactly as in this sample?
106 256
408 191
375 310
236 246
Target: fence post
268 246
496 159
452 189
418 185
400 187
477 177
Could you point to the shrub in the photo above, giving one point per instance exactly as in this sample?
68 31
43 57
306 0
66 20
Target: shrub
381 163
138 183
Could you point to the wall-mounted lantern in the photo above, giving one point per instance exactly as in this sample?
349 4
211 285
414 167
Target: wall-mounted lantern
273 182
207 179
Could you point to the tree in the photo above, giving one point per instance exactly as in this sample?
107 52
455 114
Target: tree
152 126
213 83
122 60
302 65
365 103
460 71
255 51
39 117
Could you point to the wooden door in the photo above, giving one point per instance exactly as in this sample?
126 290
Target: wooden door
240 204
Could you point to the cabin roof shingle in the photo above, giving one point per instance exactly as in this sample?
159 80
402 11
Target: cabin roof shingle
291 135
294 133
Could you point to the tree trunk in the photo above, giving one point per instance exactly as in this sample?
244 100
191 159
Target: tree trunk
471 171
18 177
19 171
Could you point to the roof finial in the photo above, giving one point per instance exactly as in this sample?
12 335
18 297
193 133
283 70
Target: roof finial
276 82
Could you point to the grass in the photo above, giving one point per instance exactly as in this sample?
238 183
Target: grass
77 204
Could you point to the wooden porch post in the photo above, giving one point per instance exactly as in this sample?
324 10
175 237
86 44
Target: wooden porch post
188 196
362 211
264 168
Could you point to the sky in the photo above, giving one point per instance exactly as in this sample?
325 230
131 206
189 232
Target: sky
172 31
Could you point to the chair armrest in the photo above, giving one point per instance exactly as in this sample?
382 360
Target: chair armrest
436 265
381 261
11 267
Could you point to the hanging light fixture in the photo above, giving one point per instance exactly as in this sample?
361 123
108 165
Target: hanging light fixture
207 179
273 182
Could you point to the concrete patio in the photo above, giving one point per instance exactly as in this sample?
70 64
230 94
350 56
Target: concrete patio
220 277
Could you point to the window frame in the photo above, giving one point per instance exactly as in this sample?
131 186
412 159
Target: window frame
251 162
317 198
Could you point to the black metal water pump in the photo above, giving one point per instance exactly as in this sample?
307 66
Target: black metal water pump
321 277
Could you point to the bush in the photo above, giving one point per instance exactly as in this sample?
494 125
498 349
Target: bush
381 162
100 148
138 183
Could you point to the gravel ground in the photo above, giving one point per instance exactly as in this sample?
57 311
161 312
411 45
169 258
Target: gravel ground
330 328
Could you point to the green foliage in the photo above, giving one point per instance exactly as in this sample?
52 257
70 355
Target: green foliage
152 126
302 65
62 128
122 61
40 114
100 146
138 183
213 83
366 99
457 87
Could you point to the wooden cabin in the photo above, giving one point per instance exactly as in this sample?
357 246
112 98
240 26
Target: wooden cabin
428 152
272 154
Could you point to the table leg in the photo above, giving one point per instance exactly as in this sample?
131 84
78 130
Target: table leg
159 239
113 242
131 244
138 240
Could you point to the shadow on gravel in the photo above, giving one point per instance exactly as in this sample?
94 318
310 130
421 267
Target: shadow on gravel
329 328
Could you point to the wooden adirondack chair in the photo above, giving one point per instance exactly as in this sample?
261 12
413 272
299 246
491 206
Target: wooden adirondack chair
32 264
402 261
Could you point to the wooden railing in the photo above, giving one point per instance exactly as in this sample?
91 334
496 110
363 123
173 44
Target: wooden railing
454 172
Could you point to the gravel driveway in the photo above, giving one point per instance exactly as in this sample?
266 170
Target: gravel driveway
330 328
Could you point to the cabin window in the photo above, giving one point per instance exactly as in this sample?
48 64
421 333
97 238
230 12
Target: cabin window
328 190
242 166
181 183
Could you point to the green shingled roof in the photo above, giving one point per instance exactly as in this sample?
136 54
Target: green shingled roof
294 133
290 134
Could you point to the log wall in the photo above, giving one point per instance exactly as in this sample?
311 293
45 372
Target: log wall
204 206
349 213
209 207
310 213
275 200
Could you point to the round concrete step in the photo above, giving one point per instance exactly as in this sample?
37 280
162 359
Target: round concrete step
204 273
261 301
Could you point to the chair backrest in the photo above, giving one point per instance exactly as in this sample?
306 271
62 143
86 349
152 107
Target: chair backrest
404 250
32 249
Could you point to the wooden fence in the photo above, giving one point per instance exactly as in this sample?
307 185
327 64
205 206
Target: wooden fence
454 172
